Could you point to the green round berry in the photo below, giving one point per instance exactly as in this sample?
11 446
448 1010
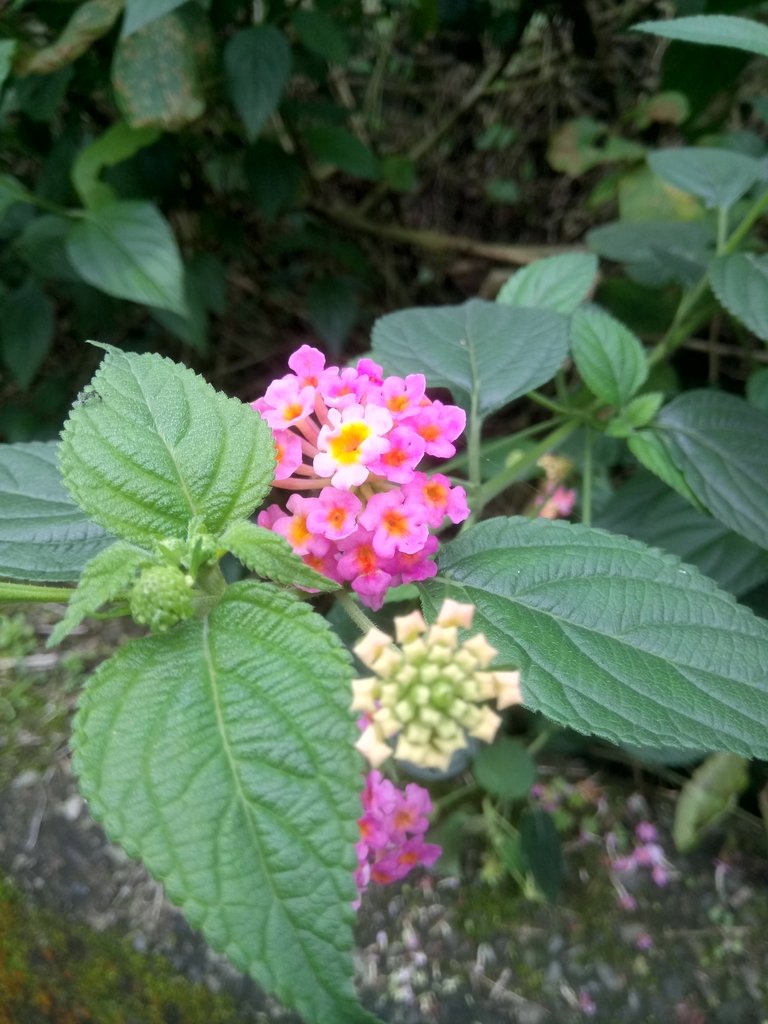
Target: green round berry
161 597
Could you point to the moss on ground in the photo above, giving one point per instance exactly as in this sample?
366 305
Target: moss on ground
54 972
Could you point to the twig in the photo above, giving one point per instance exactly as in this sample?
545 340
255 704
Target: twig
436 241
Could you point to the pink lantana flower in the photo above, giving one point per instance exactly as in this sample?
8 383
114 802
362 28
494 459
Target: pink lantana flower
352 438
295 530
397 524
334 514
438 498
288 453
439 425
285 402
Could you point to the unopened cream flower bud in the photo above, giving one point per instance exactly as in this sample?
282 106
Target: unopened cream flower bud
488 726
482 650
372 646
373 749
387 662
453 613
508 690
363 691
408 627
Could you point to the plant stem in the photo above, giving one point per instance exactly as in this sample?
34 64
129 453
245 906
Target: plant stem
454 797
722 229
758 208
355 612
586 480
491 488
28 593
502 443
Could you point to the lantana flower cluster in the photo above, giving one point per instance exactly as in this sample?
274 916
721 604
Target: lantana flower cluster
392 832
430 690
554 500
349 442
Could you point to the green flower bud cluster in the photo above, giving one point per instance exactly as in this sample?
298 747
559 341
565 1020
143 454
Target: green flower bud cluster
161 597
429 691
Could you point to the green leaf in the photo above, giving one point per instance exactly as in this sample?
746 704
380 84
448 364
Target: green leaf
611 637
707 797
139 13
321 34
27 326
644 508
337 146
718 176
608 356
43 535
155 445
105 577
158 70
90 22
636 413
651 450
273 176
12 191
757 389
712 30
42 246
480 350
740 282
119 142
7 50
540 844
333 308
688 243
561 283
257 62
222 755
505 769
720 444
271 556
127 249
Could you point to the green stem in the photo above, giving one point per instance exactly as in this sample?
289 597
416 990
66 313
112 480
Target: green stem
500 444
27 593
510 474
355 612
688 318
586 480
757 210
454 797
722 228
540 741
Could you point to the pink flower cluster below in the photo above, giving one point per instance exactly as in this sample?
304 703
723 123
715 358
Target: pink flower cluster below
348 445
392 832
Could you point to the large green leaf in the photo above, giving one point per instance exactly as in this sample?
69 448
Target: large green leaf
127 249
89 22
7 50
713 30
257 62
647 510
27 326
651 450
720 444
671 250
718 176
608 356
222 755
139 13
557 282
119 142
740 282
480 350
612 637
336 145
322 35
158 71
153 445
43 535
